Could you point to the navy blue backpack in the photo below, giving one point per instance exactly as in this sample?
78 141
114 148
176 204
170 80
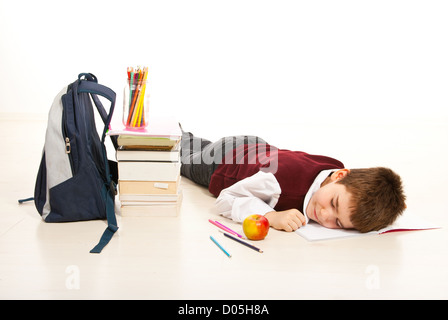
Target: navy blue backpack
76 181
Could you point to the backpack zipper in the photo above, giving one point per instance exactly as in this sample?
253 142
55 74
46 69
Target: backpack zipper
68 148
67 145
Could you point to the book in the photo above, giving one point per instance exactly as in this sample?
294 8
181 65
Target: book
148 170
142 154
162 127
149 143
151 208
315 232
154 198
148 187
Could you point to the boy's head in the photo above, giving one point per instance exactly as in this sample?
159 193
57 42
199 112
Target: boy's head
377 197
362 199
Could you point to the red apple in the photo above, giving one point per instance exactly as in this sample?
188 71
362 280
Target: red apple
255 227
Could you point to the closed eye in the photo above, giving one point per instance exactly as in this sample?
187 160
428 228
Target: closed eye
339 224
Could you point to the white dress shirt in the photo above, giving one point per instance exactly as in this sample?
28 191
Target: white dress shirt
258 194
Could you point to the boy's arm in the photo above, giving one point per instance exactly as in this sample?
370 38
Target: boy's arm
257 194
288 220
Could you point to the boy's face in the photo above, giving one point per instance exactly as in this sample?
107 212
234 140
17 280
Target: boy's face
330 205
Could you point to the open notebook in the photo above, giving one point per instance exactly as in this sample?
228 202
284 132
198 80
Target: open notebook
315 232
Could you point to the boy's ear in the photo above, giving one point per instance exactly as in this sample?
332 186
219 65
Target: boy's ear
338 175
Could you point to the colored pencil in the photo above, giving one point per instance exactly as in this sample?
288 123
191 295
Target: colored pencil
243 242
228 229
223 227
220 247
131 79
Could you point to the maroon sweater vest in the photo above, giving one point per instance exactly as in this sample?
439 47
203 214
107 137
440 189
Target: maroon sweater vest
295 171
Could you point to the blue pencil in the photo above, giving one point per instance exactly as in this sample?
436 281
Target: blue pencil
220 247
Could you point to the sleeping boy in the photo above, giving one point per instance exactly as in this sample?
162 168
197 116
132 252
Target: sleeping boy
249 176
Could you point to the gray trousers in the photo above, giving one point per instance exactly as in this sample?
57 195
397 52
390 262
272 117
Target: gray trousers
200 157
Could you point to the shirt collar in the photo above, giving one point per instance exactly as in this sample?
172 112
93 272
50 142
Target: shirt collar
314 187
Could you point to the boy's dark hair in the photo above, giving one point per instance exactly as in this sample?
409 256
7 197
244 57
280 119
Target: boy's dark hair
377 197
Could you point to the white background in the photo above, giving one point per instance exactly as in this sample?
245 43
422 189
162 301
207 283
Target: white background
356 80
235 59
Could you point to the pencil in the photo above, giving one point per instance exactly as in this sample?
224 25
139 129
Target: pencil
220 247
243 242
229 230
223 227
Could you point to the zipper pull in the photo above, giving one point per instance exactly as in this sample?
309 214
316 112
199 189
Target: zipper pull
67 145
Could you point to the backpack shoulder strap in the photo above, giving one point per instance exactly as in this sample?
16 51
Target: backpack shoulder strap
91 86
97 89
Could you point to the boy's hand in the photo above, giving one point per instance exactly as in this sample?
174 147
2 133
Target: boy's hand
288 220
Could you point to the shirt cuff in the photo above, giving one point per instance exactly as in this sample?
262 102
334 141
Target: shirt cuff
244 207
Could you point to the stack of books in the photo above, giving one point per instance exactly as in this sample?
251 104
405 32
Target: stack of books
149 173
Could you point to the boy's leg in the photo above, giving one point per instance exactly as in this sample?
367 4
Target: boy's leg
200 157
191 155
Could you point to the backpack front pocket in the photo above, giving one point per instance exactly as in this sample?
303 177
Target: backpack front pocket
78 198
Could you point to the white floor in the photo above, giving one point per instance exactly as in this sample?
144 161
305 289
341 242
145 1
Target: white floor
173 258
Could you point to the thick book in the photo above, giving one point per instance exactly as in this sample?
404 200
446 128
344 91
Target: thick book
142 154
315 232
148 171
151 208
148 187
